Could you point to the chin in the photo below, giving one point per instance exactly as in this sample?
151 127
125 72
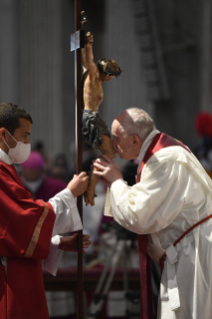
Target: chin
123 157
127 158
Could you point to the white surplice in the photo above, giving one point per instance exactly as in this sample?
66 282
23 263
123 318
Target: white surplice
173 194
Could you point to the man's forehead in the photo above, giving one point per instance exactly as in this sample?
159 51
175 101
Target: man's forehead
115 126
25 125
116 130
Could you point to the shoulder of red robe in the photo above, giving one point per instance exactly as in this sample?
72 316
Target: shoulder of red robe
26 224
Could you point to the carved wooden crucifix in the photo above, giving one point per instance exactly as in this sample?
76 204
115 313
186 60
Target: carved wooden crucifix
77 42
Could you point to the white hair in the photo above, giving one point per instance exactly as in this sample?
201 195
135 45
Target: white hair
136 121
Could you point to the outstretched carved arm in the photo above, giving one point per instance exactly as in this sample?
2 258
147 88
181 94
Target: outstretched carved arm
84 59
87 55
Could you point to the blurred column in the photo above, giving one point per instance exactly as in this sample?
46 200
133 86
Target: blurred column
120 43
8 51
206 57
41 69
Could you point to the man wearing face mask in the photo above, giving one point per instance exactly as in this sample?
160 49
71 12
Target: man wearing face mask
27 226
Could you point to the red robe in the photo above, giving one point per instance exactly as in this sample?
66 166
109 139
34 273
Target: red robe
25 235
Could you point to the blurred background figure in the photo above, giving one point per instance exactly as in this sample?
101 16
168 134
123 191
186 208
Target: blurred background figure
203 126
60 168
35 179
40 148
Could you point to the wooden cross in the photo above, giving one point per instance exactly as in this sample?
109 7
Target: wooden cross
77 42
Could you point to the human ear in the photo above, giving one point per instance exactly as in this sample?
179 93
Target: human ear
135 139
2 133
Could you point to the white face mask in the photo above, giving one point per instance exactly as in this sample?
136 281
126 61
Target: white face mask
20 152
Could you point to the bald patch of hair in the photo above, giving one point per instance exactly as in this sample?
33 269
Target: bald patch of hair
135 121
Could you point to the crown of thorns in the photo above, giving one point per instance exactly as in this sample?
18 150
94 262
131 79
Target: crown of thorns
109 66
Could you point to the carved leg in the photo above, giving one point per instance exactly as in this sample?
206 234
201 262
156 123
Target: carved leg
107 149
90 192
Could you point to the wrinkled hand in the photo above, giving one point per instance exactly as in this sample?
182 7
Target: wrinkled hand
69 243
78 184
107 169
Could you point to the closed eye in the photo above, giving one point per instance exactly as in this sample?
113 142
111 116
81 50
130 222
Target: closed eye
115 139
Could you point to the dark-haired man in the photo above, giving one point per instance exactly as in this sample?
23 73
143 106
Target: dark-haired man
172 204
94 128
27 226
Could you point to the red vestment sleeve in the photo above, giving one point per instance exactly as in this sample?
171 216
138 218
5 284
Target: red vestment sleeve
25 225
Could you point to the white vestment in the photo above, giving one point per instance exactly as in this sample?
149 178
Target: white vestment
173 194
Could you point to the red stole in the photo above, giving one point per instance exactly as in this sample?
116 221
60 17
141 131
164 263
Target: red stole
159 141
25 232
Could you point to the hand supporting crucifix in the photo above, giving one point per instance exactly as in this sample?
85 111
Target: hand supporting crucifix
94 128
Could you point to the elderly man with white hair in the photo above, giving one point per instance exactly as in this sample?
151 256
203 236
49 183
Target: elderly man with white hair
170 209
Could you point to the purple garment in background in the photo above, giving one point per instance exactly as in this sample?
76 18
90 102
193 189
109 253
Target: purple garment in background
48 189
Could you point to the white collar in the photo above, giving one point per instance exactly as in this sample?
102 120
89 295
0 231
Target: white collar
4 157
145 146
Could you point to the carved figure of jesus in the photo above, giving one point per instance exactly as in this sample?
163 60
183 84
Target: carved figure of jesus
94 128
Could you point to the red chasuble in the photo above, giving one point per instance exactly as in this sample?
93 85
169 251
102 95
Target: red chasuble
25 233
160 141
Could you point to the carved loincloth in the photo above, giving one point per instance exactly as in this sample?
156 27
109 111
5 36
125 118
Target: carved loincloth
93 127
